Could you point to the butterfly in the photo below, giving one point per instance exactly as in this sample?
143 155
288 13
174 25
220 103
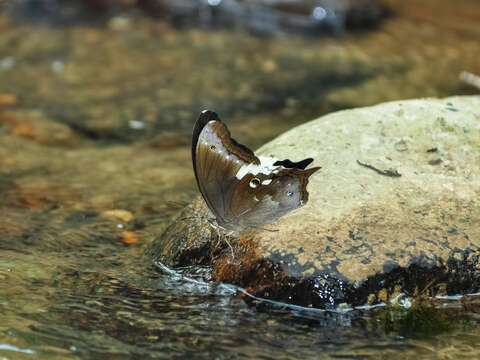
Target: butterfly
240 189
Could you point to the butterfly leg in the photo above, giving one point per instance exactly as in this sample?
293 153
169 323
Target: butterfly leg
231 247
225 238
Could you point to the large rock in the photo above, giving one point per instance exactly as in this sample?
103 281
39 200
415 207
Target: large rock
406 221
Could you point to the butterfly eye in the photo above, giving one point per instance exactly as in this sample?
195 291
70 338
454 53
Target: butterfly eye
254 183
213 147
289 193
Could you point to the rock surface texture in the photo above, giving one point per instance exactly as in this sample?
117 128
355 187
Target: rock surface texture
393 210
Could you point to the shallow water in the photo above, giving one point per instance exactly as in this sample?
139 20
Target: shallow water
95 124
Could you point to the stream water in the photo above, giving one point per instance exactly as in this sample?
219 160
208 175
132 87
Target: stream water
95 127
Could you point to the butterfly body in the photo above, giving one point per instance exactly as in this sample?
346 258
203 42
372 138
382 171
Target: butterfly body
241 189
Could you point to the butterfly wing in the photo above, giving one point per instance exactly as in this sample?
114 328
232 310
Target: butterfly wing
239 188
276 194
216 161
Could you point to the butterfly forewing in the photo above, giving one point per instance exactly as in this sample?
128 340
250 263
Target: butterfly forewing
217 161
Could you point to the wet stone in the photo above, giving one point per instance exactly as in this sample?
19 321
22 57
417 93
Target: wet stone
379 223
36 127
120 214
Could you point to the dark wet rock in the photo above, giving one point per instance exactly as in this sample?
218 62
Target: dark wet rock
311 16
398 225
272 16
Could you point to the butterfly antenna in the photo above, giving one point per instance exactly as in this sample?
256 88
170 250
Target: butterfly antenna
176 204
187 218
262 228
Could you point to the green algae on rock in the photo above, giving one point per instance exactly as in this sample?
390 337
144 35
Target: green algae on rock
363 237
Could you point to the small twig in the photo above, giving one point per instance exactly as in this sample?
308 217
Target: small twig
390 172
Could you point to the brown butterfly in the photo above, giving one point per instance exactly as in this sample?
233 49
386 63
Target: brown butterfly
241 189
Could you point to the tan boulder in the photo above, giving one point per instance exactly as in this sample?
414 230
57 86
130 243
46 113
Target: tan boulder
393 209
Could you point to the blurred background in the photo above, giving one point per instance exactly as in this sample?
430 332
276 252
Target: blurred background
139 70
97 103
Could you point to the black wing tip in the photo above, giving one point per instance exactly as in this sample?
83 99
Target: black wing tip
294 165
208 115
207 111
203 119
